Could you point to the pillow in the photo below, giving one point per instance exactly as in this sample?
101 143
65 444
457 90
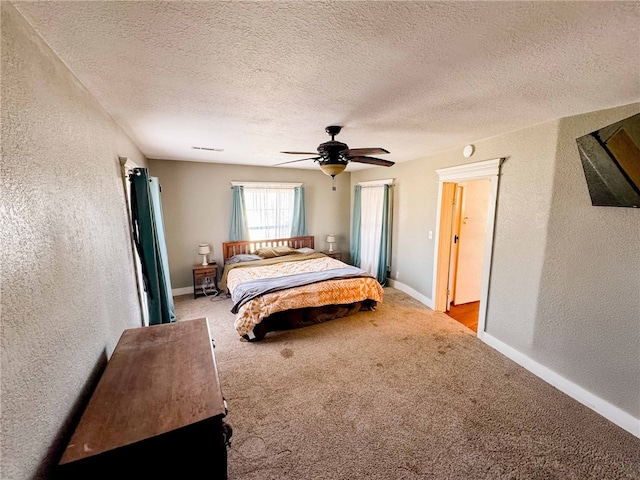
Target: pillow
306 250
271 252
242 257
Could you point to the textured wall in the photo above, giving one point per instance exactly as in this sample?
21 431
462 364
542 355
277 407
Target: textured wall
523 198
588 321
415 194
68 287
196 200
564 286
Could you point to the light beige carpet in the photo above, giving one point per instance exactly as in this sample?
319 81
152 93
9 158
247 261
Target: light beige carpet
399 393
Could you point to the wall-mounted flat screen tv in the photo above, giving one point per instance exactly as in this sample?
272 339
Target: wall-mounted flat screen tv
611 163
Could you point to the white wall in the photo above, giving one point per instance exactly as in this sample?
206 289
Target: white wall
564 276
196 201
68 286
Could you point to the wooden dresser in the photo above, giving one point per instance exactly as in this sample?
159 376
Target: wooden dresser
157 411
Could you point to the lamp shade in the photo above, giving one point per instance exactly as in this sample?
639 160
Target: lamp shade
331 239
204 249
333 169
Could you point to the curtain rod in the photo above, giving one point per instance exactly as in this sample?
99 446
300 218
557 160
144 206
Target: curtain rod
265 184
390 185
377 183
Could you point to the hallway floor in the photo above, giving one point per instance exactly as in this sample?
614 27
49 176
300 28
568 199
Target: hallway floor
466 314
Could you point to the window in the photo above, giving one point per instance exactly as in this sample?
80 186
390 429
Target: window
263 211
269 212
371 227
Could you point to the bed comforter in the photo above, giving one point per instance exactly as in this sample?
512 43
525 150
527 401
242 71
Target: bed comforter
340 286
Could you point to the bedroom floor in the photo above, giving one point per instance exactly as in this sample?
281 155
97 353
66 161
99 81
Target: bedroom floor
403 393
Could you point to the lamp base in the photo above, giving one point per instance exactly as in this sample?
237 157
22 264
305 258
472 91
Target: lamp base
204 260
331 248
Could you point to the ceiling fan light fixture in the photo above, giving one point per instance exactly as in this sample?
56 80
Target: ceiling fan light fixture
333 169
334 156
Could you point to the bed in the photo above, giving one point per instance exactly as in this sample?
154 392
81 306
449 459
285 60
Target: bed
284 283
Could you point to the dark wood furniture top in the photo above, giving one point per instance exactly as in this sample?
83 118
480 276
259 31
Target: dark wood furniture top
335 254
229 249
159 379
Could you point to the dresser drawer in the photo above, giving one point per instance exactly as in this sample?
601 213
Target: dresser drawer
205 272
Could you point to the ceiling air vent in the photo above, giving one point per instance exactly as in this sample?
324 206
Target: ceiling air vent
209 149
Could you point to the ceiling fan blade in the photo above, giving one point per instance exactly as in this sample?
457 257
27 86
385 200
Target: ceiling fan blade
299 160
364 151
372 161
301 153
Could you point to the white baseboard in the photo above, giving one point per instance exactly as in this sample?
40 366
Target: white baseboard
181 291
595 403
612 413
410 291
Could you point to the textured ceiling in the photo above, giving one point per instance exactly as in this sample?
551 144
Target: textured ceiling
255 78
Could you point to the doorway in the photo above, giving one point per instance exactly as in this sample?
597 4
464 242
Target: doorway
453 286
470 209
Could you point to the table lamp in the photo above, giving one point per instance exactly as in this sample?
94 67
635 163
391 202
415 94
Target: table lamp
204 250
331 239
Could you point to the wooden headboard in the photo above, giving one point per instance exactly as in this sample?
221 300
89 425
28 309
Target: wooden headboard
229 249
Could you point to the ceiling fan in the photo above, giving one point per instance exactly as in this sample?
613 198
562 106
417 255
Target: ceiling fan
333 156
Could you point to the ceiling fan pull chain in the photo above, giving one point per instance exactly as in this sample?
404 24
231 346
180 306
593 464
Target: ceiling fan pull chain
333 183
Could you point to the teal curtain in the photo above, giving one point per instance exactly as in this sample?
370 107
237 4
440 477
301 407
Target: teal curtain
148 233
355 228
299 222
385 241
239 229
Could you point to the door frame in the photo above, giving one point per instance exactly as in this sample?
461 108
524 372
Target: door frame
489 169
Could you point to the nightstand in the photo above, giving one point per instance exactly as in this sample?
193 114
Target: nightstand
334 254
204 280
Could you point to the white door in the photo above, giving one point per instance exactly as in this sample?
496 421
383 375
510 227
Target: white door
471 244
